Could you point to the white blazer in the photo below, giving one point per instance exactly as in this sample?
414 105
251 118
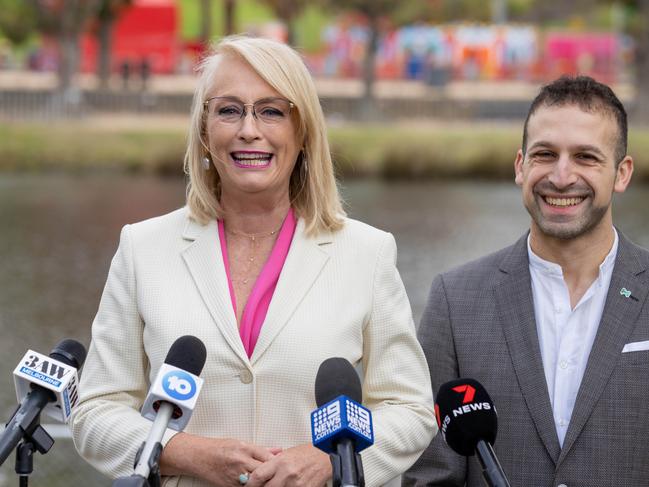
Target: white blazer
338 295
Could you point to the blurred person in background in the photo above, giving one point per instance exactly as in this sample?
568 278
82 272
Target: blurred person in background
263 266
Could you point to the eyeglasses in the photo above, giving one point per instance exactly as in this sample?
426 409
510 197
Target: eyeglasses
229 110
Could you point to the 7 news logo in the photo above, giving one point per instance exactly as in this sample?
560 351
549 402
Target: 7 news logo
179 385
467 401
469 392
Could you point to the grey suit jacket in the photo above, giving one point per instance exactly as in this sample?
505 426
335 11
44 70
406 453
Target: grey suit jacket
479 322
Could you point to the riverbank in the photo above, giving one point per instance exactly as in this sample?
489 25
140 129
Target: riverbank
156 145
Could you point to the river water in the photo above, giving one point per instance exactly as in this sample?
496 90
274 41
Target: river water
59 232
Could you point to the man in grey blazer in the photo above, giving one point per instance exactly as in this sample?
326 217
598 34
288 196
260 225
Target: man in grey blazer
556 326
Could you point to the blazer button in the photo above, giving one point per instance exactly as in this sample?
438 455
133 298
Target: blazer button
246 377
562 485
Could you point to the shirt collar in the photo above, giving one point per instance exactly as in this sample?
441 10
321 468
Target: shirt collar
554 269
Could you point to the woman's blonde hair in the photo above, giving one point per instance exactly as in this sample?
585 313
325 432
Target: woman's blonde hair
312 188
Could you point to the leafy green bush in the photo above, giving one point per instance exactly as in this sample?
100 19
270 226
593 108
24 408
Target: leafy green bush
402 151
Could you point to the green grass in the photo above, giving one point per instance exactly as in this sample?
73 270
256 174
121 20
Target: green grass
404 152
75 147
424 152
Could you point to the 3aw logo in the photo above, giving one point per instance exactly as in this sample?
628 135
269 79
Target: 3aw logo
469 393
36 363
179 385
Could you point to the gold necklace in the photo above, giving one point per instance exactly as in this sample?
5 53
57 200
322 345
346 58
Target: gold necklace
253 236
251 259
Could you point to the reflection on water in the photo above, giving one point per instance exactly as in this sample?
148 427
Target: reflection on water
58 234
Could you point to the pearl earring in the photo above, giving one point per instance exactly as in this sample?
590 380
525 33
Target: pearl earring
207 163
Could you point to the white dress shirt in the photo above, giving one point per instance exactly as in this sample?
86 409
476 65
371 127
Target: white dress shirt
566 335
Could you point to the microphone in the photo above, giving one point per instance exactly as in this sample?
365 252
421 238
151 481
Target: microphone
341 426
467 418
43 384
169 404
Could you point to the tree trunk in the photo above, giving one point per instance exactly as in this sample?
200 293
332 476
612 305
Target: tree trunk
228 15
368 103
290 31
104 46
68 36
641 105
206 21
498 11
287 15
68 59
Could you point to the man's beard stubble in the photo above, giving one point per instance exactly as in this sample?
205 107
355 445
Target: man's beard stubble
567 230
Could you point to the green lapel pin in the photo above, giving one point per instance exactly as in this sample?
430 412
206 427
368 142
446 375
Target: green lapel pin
625 292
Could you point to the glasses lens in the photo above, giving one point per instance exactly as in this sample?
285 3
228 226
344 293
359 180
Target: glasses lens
226 111
272 111
269 111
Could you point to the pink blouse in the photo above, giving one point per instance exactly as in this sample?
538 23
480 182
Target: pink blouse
254 313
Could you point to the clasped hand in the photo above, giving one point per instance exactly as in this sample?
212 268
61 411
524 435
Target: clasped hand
300 466
221 461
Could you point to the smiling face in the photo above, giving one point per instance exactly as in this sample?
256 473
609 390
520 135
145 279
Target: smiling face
568 173
253 155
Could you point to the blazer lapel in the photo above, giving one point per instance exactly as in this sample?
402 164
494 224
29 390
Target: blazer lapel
516 307
304 262
618 320
205 263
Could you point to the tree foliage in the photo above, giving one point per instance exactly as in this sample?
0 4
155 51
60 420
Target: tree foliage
64 20
17 20
287 11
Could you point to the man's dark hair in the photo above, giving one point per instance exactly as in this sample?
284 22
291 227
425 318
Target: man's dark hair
590 96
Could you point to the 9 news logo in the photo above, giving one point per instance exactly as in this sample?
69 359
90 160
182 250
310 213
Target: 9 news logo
179 385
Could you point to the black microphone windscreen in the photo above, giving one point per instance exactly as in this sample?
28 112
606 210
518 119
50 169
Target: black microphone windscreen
187 353
465 415
335 377
70 352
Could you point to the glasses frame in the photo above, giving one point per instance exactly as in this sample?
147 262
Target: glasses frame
244 112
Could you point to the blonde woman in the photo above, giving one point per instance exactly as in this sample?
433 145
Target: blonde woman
263 266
